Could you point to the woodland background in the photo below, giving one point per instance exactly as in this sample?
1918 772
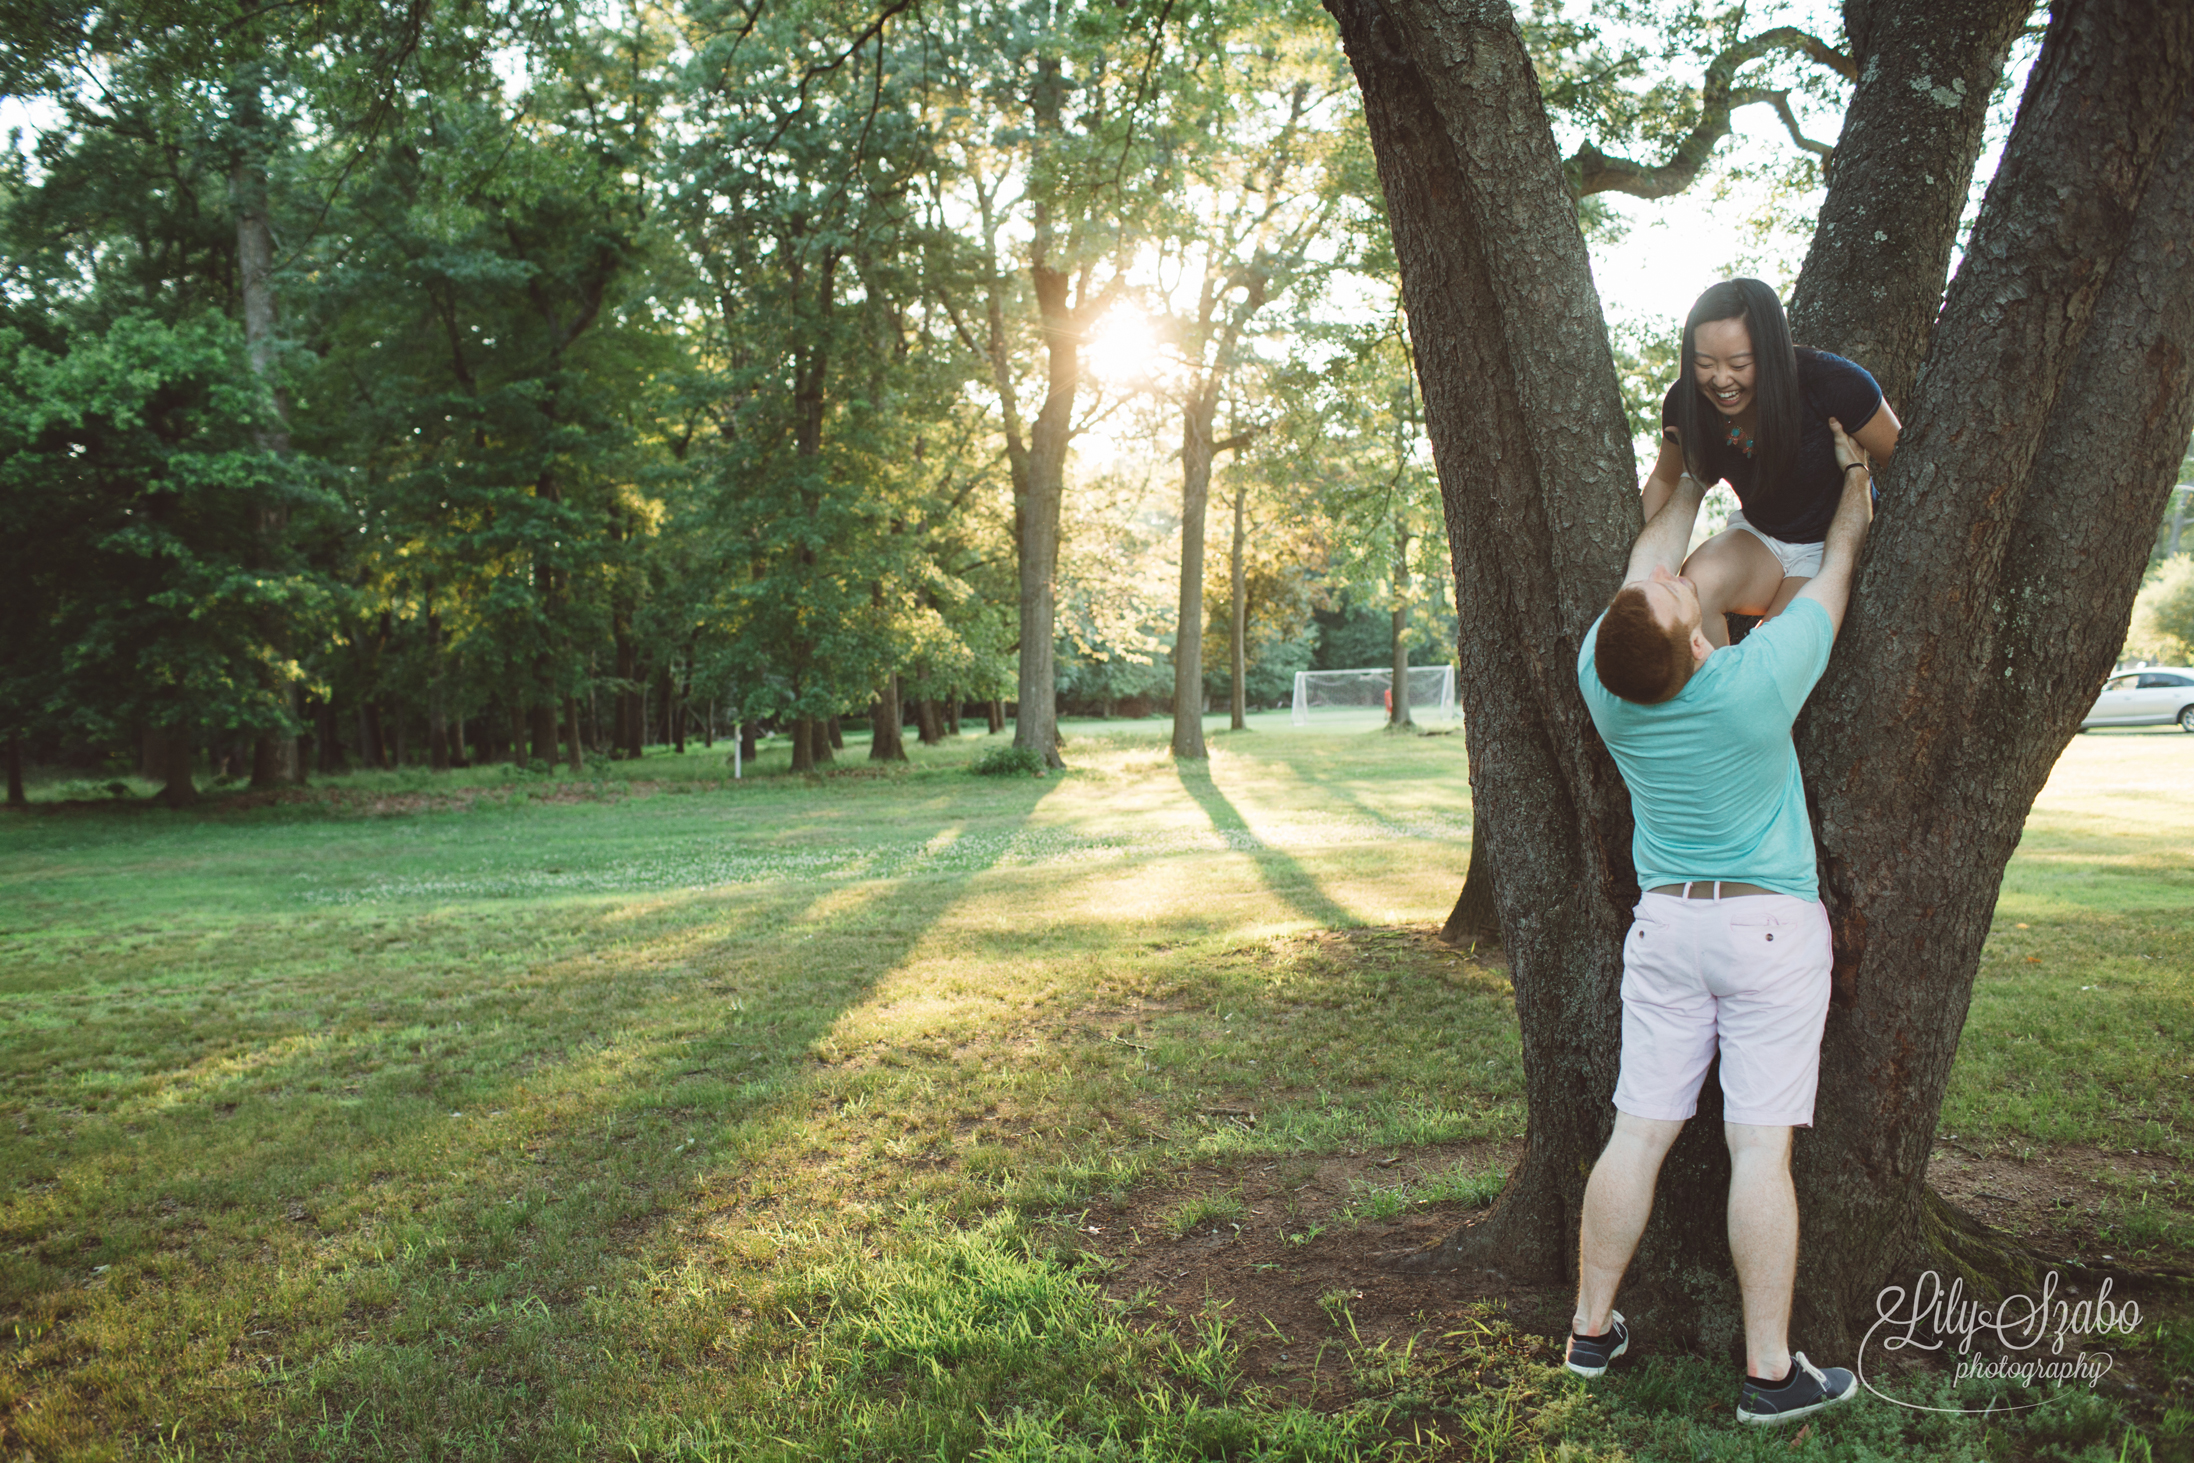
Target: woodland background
398 383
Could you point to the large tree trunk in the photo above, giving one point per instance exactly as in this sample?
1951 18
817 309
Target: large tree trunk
575 754
1976 638
1509 336
2046 431
1188 625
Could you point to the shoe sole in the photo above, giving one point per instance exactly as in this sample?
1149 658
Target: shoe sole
1770 1419
1601 1369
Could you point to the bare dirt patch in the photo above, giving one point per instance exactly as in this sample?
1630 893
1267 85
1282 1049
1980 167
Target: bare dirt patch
1297 1291
1270 1249
2052 1198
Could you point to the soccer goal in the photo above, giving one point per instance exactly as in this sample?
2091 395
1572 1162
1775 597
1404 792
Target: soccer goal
1357 698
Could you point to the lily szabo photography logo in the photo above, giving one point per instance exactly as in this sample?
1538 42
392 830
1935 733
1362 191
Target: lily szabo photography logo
2021 1340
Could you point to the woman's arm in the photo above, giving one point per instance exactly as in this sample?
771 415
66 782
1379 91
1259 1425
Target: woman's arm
1667 468
1879 436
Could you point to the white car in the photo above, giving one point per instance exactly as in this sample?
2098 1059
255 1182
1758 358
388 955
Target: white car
2156 696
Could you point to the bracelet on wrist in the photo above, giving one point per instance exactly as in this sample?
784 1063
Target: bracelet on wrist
1858 467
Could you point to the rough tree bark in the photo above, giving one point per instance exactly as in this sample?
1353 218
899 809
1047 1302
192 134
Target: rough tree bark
1475 918
1977 636
1873 277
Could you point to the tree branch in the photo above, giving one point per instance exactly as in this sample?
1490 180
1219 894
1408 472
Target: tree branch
1593 171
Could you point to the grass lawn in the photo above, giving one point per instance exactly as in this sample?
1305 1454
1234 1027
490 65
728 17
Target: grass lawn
650 1115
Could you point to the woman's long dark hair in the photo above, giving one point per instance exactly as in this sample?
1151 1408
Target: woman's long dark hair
1775 383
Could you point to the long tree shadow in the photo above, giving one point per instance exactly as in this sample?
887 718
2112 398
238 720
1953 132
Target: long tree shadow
501 1143
1287 879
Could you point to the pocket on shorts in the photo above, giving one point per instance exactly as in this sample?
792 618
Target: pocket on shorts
1786 937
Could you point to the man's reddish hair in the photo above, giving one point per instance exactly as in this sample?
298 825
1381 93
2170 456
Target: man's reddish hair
1639 658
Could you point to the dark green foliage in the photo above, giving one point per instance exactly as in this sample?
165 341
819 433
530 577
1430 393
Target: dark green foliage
1009 762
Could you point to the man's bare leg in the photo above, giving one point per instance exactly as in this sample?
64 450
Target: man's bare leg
1618 1200
1763 1239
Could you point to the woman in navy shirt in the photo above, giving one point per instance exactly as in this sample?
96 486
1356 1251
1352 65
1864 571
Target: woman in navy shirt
1754 411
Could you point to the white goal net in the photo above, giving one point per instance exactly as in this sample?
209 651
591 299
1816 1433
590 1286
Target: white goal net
1358 697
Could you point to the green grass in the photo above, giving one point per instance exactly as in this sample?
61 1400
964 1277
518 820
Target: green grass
647 1114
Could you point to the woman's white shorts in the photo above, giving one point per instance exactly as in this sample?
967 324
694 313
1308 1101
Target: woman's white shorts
1746 975
1799 561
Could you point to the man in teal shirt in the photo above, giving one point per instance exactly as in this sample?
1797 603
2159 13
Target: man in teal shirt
1729 952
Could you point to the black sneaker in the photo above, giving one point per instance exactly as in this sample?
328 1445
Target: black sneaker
1805 1391
1589 1355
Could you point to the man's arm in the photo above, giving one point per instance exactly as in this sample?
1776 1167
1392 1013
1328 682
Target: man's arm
1840 551
1668 533
1668 468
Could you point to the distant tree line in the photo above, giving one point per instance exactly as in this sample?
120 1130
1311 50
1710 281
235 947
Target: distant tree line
383 382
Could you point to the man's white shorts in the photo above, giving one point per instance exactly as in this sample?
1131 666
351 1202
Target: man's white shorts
1799 561
1747 974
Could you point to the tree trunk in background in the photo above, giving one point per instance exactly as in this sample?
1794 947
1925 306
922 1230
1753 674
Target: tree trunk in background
543 725
575 752
460 747
1475 918
747 738
377 747
274 759
327 745
437 715
835 732
685 700
994 715
1188 621
928 724
952 714
666 697
1398 713
1979 632
517 735
1873 277
803 744
1238 693
886 743
175 758
152 754
17 798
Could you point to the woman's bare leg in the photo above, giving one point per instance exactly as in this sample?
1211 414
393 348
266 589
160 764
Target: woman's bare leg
1785 595
1734 574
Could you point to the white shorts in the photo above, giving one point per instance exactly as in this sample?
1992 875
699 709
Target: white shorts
1746 975
1799 561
